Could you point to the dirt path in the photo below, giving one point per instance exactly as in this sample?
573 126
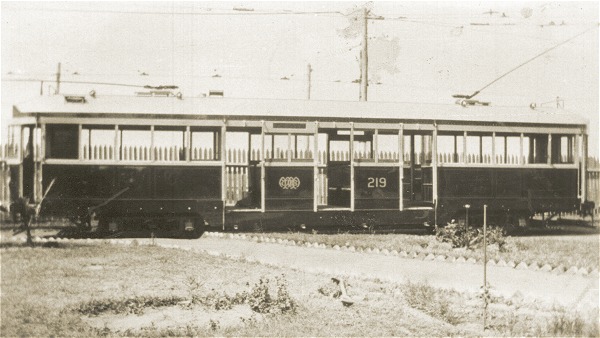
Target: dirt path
573 291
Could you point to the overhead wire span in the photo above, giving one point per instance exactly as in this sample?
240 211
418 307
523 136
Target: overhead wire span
523 64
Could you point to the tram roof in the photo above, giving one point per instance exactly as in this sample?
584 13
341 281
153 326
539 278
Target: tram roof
134 106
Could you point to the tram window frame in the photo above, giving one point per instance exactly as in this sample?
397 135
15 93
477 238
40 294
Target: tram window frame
86 137
308 153
559 148
13 141
143 150
485 146
214 135
423 147
364 139
537 148
283 147
241 138
393 149
181 148
456 140
512 147
62 141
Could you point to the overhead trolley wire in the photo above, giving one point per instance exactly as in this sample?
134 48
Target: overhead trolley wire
524 63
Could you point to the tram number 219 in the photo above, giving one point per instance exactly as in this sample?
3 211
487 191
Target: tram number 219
376 182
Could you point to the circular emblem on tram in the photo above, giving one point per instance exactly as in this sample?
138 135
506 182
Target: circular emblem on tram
289 182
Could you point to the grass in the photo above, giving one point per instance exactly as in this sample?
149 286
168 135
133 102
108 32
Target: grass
49 291
580 251
43 290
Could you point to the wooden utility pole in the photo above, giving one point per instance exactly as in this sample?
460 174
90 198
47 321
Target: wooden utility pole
364 60
58 80
309 71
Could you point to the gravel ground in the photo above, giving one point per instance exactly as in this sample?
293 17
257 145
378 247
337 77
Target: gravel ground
573 291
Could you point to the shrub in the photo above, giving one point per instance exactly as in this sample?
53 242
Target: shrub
461 237
458 236
261 300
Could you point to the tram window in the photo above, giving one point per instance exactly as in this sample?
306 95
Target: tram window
479 148
406 150
525 149
339 150
280 146
507 149
62 141
268 147
135 143
449 148
500 149
169 144
303 147
27 142
363 150
14 141
513 149
387 147
422 149
203 145
486 148
237 144
322 144
563 148
473 149
538 148
97 142
255 147
37 141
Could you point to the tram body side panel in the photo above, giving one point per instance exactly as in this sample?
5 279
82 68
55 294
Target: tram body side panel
376 188
289 188
519 191
151 192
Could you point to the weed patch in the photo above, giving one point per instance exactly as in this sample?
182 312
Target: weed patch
125 306
260 297
434 302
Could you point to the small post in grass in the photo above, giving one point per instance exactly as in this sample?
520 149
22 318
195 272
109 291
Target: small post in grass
485 289
467 207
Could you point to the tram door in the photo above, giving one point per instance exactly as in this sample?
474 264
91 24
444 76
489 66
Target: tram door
417 182
338 170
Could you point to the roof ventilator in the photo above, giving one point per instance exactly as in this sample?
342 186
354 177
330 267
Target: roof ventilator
216 93
75 99
165 93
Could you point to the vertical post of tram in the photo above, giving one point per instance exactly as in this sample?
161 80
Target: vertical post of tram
401 164
223 169
434 162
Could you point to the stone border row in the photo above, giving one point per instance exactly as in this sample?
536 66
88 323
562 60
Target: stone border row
560 269
262 239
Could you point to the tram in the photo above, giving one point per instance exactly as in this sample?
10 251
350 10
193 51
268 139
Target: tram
169 162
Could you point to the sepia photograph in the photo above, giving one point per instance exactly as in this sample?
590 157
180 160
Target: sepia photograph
299 169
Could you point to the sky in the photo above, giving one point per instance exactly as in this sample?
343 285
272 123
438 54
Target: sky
418 51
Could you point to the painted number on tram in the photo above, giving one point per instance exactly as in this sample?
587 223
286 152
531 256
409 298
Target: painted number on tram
377 182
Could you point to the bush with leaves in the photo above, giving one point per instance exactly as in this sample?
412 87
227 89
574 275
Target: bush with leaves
459 236
261 300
